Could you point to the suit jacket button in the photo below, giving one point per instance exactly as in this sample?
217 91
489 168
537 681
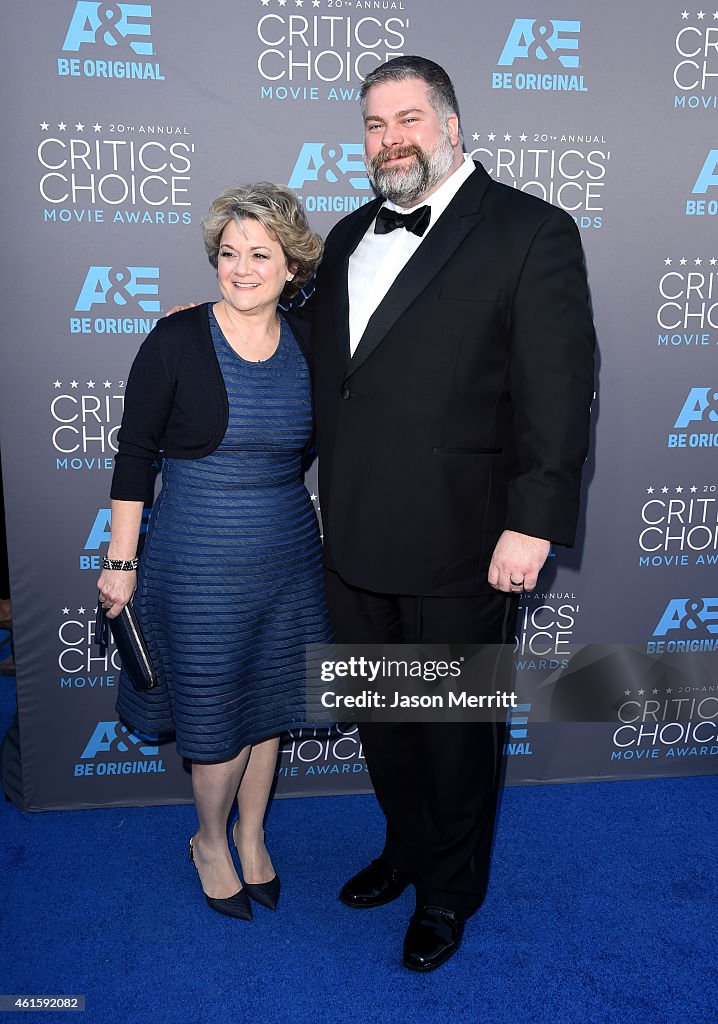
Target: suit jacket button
346 393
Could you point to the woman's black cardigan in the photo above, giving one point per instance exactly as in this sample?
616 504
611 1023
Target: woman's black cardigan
175 401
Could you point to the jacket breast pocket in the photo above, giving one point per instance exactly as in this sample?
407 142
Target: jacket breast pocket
457 293
468 451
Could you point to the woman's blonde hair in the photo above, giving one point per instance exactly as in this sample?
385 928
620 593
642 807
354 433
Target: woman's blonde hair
281 215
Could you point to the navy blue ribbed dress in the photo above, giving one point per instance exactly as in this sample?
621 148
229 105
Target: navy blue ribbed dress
230 586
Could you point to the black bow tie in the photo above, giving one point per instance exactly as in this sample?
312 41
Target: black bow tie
417 221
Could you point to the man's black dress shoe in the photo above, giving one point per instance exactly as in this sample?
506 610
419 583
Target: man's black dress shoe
433 936
375 885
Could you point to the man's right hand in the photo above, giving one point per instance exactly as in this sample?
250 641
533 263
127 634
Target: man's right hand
178 309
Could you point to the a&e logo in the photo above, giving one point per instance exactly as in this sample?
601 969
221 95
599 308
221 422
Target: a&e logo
124 29
126 292
116 25
114 739
700 409
545 45
517 741
698 615
695 619
111 737
707 178
323 169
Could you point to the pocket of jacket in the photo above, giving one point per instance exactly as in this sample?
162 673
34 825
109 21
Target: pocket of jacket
468 451
448 292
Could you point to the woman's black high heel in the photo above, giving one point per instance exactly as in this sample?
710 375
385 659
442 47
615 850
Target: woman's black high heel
264 893
234 906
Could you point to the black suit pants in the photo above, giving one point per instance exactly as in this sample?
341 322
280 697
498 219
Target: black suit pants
437 782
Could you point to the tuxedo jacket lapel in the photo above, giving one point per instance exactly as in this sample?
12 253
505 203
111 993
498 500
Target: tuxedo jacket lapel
460 217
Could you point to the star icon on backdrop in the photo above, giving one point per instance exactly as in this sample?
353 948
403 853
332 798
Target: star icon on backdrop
507 137
669 690
315 3
523 137
641 692
299 3
626 693
57 383
693 489
654 692
44 126
664 490
73 383
107 383
701 15
475 136
683 261
282 3
97 127
491 136
80 611
649 490
79 127
713 261
90 383
668 261
65 611
698 261
684 15
62 126
679 490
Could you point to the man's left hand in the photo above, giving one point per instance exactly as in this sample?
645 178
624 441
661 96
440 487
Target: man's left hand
517 561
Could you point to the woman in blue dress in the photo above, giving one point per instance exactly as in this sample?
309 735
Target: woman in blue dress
229 588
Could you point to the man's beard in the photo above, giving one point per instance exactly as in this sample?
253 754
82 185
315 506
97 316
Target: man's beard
406 184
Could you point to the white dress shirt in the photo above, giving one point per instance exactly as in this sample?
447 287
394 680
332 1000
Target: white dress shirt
378 259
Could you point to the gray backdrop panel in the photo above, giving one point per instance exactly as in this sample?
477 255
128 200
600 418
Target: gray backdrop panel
107 178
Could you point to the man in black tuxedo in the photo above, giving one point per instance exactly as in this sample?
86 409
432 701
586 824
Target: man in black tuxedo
453 365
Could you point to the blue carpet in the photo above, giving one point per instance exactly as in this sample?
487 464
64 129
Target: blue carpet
602 908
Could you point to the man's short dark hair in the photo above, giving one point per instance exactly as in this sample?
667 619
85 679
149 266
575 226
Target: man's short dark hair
441 91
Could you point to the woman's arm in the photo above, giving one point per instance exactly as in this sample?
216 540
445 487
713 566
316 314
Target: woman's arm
149 397
148 401
116 586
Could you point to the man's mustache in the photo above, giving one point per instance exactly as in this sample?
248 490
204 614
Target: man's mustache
394 154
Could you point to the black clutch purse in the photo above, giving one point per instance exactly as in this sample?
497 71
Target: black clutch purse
130 645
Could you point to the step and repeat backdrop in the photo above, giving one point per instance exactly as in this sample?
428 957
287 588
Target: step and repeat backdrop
127 119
